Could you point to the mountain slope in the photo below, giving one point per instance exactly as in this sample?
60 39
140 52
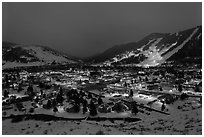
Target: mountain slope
120 49
155 49
15 55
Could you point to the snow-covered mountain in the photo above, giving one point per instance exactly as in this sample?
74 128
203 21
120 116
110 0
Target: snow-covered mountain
152 50
15 55
156 48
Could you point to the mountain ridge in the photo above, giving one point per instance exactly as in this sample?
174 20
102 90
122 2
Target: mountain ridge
152 50
16 55
158 43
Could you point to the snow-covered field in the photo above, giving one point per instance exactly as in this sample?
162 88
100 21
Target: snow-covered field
183 120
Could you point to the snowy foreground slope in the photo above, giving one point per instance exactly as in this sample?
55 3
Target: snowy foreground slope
19 55
187 120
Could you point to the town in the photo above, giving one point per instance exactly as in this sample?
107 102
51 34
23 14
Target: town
98 93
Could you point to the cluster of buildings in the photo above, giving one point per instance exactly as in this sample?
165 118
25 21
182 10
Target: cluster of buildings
146 86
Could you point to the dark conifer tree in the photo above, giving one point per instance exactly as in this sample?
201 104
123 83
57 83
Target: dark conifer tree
100 101
84 106
93 111
180 88
134 108
6 93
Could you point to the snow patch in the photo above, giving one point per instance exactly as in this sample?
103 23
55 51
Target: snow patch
46 56
141 49
152 59
167 48
198 37
18 64
169 54
152 54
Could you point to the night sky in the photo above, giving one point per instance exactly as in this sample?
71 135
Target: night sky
85 29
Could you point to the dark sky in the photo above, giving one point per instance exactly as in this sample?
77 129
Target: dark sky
84 29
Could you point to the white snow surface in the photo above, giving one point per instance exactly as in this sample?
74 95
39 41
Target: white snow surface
46 56
18 64
153 57
186 120
169 54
